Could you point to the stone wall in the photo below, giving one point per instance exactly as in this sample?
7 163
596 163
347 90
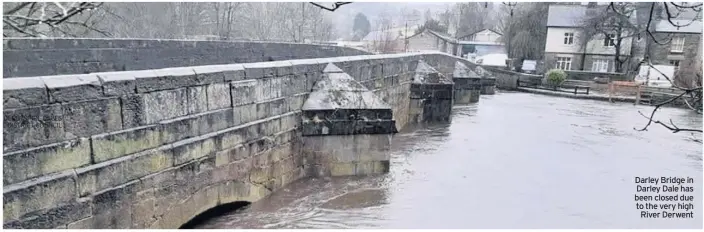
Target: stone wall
154 148
39 57
588 76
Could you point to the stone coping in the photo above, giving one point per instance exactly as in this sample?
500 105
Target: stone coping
77 80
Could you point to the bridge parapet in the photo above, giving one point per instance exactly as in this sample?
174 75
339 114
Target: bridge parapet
154 148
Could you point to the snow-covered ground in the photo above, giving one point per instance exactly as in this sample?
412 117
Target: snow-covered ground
492 59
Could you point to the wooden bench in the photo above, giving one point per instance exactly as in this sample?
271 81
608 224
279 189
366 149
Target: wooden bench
577 88
536 84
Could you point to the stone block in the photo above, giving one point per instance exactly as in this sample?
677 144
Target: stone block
179 128
148 162
263 110
245 114
197 99
42 193
168 78
342 169
112 207
121 83
277 106
23 92
243 92
92 117
163 105
34 162
85 223
232 191
219 96
32 126
119 171
231 137
69 88
120 143
296 102
191 149
211 74
57 217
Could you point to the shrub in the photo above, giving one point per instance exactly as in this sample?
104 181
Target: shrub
556 77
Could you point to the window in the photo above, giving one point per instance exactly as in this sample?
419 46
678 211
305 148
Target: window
609 40
569 38
677 44
675 63
600 65
564 63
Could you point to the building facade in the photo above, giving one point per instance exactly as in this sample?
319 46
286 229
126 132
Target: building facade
482 43
565 50
677 46
428 40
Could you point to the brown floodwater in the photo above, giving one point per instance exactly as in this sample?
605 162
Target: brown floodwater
514 160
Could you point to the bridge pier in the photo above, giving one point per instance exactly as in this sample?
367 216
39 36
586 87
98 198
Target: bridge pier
346 127
468 85
431 95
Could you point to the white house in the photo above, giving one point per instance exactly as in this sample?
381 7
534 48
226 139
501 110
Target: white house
482 42
563 49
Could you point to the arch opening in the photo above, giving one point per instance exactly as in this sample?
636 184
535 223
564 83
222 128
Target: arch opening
215 212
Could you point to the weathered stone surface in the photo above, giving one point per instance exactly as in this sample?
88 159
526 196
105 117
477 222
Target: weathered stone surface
32 126
56 217
190 149
42 193
29 91
34 162
115 172
219 96
122 83
168 78
111 208
163 105
197 99
243 92
73 87
120 143
92 117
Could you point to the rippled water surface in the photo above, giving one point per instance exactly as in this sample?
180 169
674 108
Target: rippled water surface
514 160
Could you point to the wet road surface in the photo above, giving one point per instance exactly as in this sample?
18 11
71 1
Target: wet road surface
514 160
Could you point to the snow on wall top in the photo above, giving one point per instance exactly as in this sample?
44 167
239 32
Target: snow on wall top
338 90
461 71
427 74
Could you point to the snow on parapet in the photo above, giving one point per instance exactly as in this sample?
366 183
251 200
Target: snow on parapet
338 90
427 74
461 71
331 68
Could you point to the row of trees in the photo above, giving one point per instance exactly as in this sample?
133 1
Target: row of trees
295 22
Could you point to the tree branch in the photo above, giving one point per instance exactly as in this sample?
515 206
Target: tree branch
335 6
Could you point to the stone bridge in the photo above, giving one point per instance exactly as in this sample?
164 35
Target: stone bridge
154 148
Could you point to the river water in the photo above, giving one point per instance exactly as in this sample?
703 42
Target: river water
514 160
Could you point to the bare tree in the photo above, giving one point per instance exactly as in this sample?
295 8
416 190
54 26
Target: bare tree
474 16
50 19
691 95
385 40
615 25
523 30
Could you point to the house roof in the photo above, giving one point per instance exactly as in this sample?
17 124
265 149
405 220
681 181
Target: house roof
437 34
566 15
480 31
666 26
395 33
573 15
